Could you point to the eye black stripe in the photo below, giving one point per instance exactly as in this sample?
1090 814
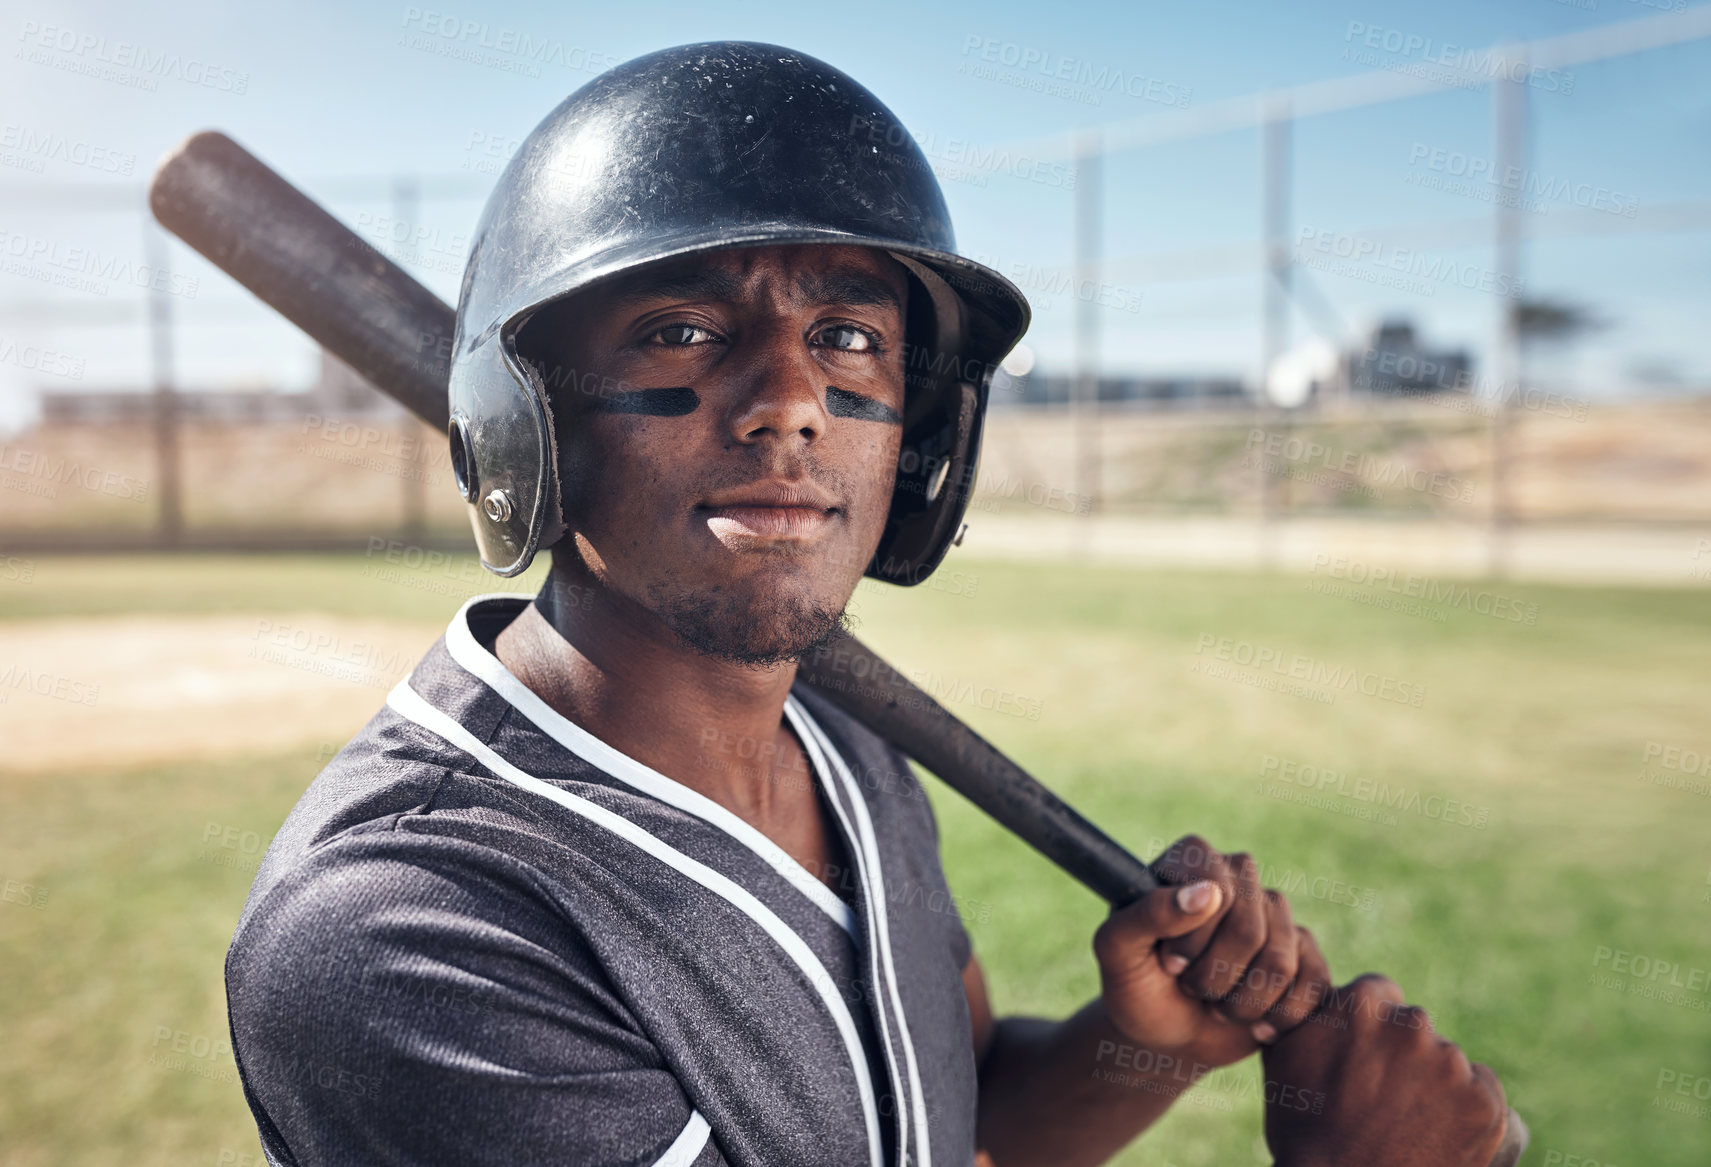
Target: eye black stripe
653 402
843 403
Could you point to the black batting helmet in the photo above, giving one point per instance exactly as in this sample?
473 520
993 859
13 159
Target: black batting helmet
693 149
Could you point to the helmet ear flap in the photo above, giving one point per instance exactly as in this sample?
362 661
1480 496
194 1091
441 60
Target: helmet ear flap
553 523
504 455
942 413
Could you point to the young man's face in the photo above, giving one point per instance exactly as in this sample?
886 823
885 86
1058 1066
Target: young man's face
729 426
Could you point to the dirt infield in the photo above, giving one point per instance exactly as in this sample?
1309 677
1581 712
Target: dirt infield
129 690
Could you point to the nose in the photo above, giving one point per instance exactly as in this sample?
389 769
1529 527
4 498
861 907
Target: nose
779 390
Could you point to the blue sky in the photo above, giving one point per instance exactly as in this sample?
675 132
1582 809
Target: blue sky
343 100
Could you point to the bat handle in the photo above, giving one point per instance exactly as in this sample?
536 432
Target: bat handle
855 678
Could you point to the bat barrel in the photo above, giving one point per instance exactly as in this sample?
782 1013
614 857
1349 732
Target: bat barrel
321 276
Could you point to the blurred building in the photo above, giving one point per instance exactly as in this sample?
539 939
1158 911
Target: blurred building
1393 363
1037 388
338 390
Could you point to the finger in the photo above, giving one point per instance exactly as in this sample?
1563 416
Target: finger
1270 974
1188 859
1312 983
1126 942
1487 1077
1499 1126
1236 941
1369 1000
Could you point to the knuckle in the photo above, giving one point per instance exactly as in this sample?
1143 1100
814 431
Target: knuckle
1307 986
1371 986
1484 1108
1108 941
1189 855
1246 929
1279 961
1208 980
1492 1087
1191 851
1245 1006
1243 864
1417 1020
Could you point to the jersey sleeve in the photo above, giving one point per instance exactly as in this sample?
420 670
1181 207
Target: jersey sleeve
405 998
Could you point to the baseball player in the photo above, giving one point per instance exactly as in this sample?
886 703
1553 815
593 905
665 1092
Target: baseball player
601 885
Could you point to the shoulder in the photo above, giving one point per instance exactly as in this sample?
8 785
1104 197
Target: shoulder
409 996
398 830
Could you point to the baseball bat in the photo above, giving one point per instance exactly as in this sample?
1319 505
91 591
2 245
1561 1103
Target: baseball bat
370 313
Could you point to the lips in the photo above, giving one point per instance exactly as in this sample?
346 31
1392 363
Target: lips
768 511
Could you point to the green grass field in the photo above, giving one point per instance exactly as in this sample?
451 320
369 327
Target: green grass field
1507 931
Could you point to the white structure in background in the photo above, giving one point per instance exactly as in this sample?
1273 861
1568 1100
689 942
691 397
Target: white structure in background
1301 374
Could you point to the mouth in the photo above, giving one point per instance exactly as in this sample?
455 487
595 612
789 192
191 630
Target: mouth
768 511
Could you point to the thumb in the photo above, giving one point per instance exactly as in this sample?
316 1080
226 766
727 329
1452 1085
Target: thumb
1127 937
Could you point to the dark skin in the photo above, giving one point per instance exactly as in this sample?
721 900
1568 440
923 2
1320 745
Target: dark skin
728 432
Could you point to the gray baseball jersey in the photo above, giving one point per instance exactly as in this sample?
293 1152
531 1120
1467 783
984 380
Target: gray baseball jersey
486 936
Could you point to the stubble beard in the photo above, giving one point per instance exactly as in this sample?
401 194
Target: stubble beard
758 632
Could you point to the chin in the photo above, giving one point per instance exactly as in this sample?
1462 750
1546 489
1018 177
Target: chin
750 623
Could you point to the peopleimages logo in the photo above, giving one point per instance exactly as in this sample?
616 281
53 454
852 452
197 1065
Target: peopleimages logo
1329 678
445 33
959 153
29 149
41 360
1415 271
86 268
1370 469
83 52
1321 780
1448 593
1461 66
48 473
1522 181
1040 68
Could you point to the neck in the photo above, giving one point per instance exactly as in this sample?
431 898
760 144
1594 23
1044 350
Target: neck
618 671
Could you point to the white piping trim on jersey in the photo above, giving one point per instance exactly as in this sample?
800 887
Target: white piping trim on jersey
869 845
412 706
873 878
473 658
688 1145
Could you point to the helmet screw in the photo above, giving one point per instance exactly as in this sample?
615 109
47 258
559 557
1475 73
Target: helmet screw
498 506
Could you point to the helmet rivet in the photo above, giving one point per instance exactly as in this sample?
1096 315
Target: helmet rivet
498 506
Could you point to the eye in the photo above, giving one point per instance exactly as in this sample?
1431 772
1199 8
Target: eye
682 336
848 338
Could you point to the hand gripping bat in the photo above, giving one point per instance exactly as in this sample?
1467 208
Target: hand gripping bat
374 316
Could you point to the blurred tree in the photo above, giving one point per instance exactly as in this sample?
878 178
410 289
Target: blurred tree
1548 323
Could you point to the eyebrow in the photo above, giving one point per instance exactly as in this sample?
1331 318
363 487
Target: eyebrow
851 288
698 285
854 289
